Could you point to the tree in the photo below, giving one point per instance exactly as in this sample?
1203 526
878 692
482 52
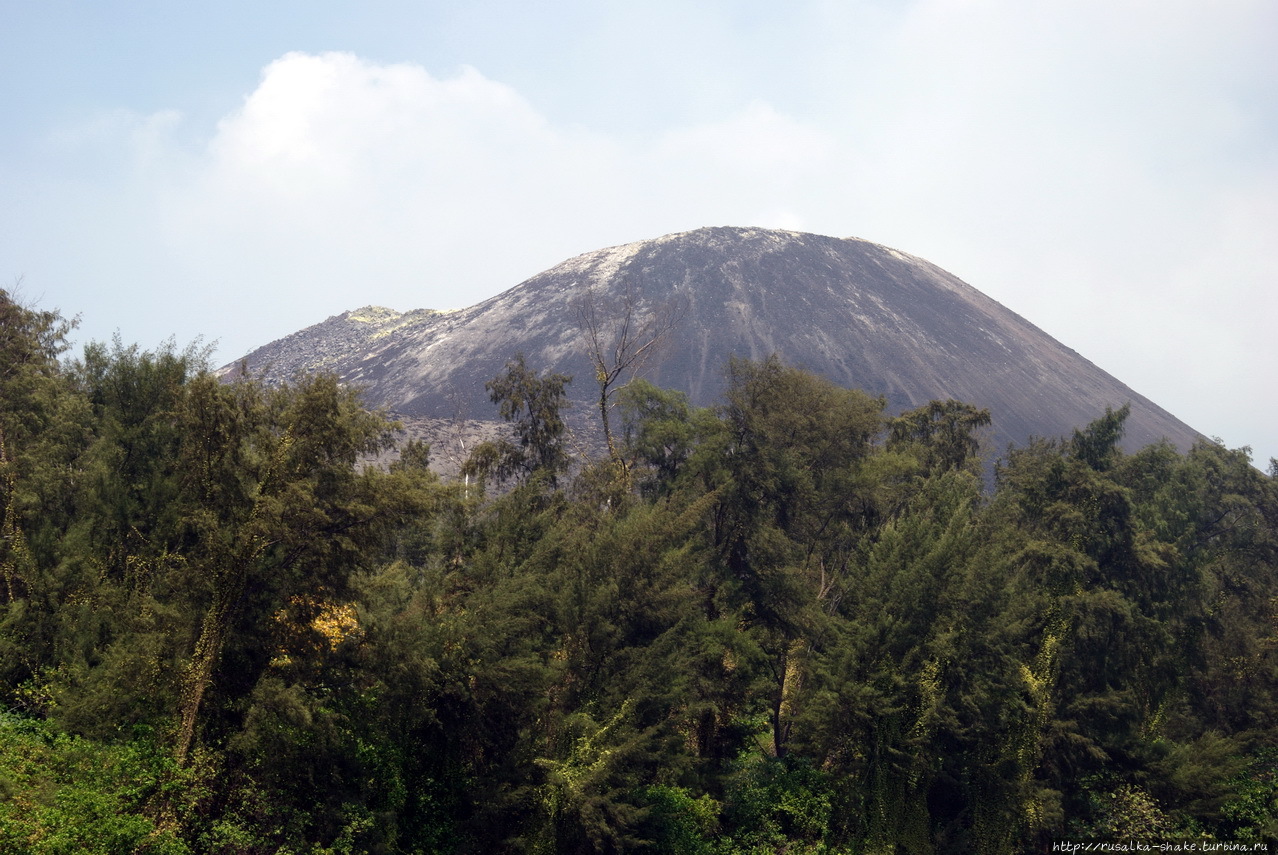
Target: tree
533 404
41 431
796 451
1097 444
660 432
621 341
45 427
943 431
274 506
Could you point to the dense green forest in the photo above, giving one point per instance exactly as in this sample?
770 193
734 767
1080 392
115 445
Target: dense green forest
789 623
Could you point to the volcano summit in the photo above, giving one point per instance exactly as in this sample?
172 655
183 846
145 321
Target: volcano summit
858 313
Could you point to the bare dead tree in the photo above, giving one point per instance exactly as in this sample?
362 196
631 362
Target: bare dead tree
622 336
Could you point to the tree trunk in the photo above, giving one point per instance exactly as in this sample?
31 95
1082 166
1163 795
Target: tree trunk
603 415
208 650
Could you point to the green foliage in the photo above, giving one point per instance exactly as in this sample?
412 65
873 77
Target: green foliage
532 404
1251 812
1127 813
62 794
660 432
774 805
942 434
44 429
1097 444
787 624
678 823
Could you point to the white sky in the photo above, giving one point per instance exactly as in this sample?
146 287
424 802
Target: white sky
238 171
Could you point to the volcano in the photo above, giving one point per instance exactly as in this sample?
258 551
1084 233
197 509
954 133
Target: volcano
857 313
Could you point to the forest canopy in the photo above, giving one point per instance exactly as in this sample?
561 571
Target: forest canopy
793 622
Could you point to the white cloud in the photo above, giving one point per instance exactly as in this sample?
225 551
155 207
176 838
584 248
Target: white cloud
368 181
333 121
758 142
344 148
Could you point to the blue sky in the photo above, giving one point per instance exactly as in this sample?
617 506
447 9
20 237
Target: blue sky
239 171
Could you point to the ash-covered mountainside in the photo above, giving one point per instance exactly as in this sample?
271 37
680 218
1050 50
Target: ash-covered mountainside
858 313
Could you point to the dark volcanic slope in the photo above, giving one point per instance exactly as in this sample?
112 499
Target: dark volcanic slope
859 313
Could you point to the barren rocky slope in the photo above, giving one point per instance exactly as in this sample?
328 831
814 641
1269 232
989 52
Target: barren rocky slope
861 314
